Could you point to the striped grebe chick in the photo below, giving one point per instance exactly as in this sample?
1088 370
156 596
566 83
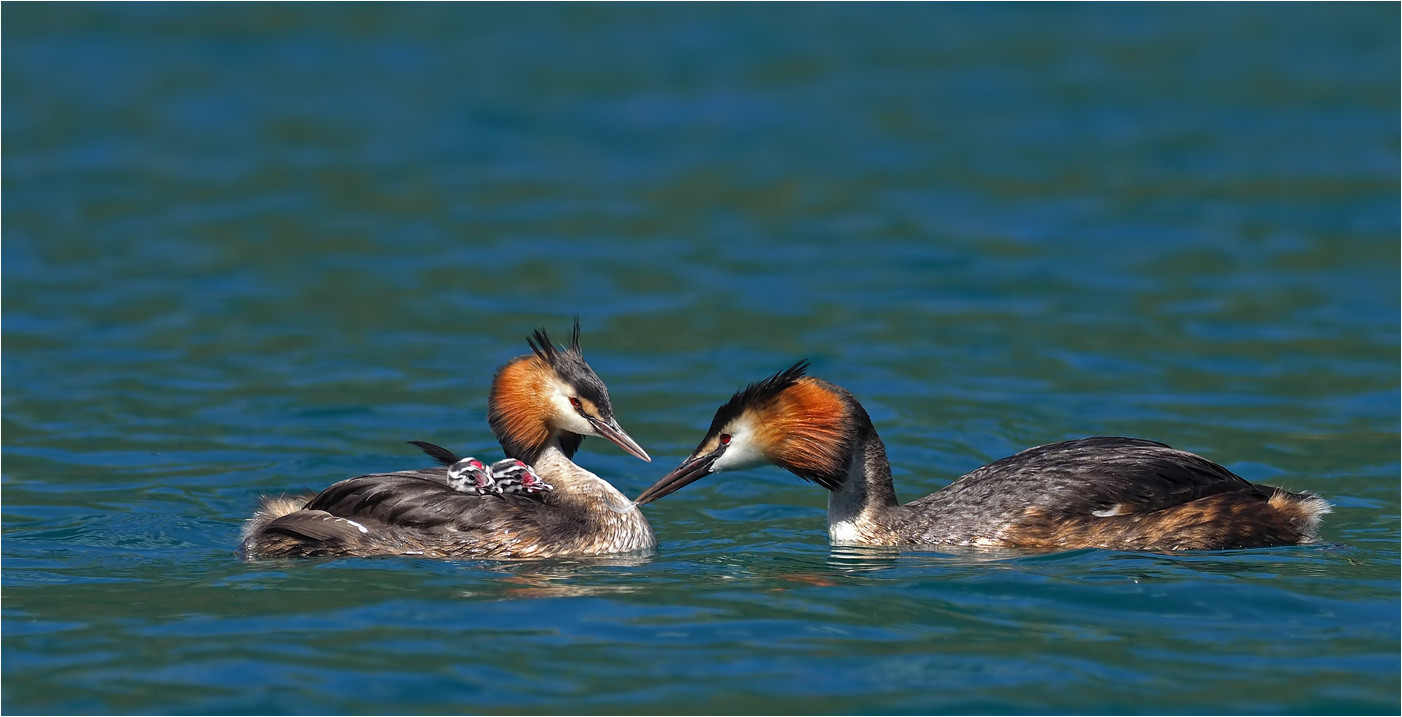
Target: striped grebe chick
1102 492
540 408
469 475
514 476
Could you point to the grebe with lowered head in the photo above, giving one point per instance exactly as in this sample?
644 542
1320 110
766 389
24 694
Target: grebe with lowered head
540 407
1103 492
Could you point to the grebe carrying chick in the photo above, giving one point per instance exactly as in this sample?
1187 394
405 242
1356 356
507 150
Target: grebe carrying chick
1102 492
540 408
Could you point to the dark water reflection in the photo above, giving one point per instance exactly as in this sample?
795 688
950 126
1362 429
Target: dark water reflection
254 248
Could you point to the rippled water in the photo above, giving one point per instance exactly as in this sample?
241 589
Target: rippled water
250 249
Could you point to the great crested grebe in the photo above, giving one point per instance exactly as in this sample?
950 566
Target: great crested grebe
540 408
1103 492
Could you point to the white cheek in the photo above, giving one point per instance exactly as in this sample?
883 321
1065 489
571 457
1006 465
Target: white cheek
740 454
567 416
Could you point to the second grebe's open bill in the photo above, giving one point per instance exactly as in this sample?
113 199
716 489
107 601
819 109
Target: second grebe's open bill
611 430
685 474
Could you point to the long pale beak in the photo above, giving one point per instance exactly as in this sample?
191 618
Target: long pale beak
610 429
690 471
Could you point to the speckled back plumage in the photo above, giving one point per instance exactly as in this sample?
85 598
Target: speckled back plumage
1109 492
417 513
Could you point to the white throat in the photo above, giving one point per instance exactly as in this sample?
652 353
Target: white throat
558 469
847 503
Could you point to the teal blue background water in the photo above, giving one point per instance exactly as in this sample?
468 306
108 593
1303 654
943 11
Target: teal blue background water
250 249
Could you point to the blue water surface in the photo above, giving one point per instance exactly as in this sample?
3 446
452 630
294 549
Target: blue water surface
252 249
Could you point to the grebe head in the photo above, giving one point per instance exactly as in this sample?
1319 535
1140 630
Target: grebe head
801 424
552 393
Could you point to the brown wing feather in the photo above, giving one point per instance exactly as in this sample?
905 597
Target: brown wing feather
1086 475
420 499
316 525
413 512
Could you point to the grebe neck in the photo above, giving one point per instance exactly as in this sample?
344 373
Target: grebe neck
866 494
575 484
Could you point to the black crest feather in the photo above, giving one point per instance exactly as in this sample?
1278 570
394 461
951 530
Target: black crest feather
436 452
758 394
541 345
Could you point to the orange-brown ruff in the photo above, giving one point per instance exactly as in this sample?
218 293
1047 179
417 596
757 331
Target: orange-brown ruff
541 405
1102 492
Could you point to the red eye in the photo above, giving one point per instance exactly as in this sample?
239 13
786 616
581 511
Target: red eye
725 439
574 402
